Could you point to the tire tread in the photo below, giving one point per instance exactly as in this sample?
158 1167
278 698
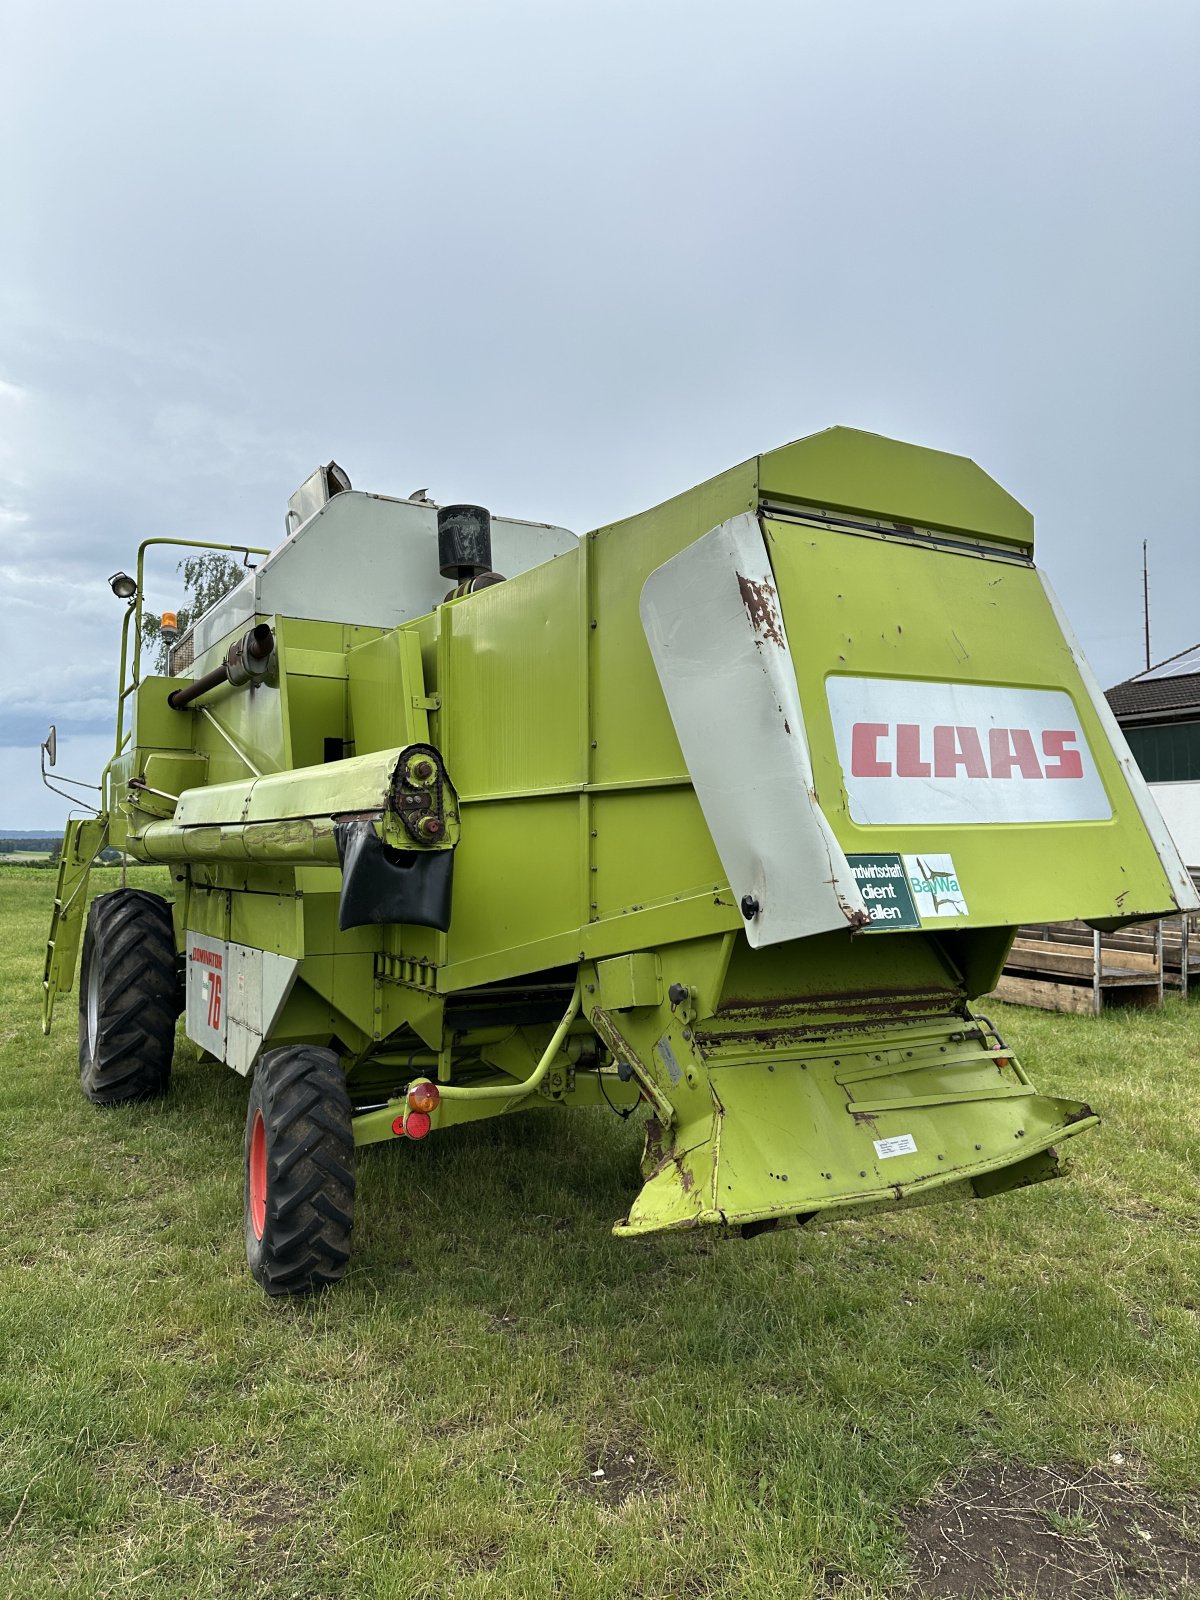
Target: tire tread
305 1105
130 932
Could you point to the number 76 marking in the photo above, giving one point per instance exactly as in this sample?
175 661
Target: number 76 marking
214 1001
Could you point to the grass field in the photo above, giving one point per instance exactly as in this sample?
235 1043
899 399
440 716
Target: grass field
765 1414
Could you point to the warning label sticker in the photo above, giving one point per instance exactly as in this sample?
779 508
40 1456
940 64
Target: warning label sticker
901 1144
884 886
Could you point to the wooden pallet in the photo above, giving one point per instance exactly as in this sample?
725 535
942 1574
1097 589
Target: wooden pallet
1067 966
1062 976
1173 941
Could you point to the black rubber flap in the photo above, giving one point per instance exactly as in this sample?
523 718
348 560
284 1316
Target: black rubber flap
380 884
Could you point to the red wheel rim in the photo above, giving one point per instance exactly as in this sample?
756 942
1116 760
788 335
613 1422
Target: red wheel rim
258 1175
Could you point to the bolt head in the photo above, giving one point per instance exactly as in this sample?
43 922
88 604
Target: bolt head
750 907
430 827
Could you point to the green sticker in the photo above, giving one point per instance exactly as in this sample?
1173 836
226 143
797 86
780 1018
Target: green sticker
883 884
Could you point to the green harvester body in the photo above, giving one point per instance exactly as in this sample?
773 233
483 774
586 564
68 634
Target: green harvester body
731 808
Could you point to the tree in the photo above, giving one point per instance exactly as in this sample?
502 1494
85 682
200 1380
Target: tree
206 577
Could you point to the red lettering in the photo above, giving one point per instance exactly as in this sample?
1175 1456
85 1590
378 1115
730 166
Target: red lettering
214 1002
1012 747
908 752
1054 743
864 750
957 751
957 747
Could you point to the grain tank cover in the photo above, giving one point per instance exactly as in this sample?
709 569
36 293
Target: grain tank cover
368 557
866 476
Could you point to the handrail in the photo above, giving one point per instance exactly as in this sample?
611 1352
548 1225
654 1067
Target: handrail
134 611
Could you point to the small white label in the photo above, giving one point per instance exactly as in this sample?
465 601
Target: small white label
935 887
902 1145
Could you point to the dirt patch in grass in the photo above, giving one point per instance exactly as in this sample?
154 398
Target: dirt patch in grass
1049 1533
259 1509
617 1471
484 1558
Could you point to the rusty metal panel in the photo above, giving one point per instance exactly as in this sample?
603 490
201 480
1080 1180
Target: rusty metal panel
718 638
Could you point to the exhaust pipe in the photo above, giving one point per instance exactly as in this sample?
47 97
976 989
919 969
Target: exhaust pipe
246 661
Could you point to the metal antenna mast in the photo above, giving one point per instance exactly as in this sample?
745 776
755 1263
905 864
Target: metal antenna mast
1146 599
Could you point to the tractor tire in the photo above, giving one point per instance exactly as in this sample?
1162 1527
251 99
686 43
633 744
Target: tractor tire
299 1181
129 998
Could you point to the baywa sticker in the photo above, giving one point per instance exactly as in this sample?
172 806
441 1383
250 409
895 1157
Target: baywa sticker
935 887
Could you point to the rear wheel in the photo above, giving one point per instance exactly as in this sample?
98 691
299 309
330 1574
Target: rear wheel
129 998
299 1180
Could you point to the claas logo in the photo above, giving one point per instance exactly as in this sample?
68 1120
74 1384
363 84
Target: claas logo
911 750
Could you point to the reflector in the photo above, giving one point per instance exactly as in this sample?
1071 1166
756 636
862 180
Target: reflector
424 1096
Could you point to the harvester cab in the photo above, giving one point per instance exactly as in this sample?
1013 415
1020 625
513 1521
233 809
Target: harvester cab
729 810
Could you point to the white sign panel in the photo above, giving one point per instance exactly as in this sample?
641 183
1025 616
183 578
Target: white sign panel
962 752
207 993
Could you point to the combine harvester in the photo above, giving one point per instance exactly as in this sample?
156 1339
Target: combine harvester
731 808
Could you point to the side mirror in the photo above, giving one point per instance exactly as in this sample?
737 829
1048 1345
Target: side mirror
48 751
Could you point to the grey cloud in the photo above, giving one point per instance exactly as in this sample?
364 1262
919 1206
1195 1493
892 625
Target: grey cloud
568 260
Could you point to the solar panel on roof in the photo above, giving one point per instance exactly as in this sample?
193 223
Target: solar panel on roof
1180 666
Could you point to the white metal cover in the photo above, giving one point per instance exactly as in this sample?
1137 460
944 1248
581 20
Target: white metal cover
718 640
234 995
366 559
915 751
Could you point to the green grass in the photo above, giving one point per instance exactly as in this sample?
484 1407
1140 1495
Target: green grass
431 1427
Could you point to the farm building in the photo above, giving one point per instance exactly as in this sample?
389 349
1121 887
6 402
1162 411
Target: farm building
1159 713
1073 966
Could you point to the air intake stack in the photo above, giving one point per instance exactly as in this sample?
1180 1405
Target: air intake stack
464 542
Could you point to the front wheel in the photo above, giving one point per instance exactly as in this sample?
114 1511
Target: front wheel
129 998
299 1180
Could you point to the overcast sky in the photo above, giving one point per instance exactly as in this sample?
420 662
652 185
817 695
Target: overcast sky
567 258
